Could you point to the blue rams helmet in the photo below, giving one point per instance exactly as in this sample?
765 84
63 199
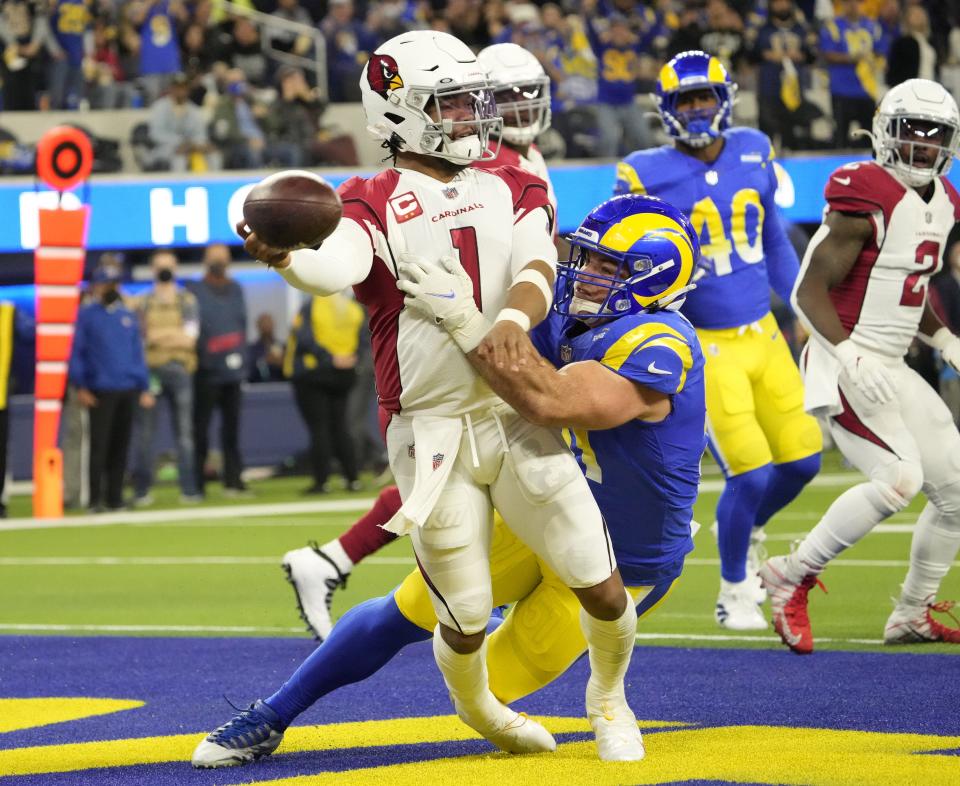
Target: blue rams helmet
694 70
654 246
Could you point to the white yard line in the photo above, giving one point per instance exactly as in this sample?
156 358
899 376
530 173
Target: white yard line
378 561
47 628
201 517
641 637
880 529
765 639
198 517
162 561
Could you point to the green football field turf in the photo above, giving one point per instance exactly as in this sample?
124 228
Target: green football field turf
221 576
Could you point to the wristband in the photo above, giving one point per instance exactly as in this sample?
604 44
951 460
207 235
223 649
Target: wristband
532 276
470 333
938 340
514 315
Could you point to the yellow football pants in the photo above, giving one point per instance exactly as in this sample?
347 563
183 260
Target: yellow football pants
540 637
755 398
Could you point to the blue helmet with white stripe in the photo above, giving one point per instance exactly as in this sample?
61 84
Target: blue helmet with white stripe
655 250
695 70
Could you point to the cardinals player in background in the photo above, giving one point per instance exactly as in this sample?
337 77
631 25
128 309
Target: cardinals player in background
862 292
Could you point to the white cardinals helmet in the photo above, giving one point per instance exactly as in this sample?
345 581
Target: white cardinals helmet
424 92
522 91
916 131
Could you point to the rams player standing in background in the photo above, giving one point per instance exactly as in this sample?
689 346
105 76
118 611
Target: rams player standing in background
723 179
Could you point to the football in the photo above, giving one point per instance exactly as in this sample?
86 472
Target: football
292 209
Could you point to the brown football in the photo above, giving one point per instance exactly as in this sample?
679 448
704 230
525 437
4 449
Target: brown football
292 209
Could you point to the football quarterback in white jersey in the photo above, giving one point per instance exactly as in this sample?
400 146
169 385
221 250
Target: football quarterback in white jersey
456 450
862 293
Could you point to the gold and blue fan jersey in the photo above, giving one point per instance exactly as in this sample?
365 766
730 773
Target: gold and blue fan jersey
730 202
644 476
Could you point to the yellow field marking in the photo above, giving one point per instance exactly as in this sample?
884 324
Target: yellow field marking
18 714
155 750
751 754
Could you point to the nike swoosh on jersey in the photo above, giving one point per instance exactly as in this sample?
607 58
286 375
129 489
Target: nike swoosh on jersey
652 368
843 181
449 296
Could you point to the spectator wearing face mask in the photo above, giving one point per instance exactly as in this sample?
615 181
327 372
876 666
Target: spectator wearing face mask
170 321
108 370
221 366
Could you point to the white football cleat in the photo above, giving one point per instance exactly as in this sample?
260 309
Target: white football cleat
315 577
510 731
915 625
617 733
736 608
248 735
756 556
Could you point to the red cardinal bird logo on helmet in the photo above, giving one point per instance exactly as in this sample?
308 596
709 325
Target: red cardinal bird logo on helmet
383 74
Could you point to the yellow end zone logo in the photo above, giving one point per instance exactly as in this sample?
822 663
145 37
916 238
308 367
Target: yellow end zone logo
675 752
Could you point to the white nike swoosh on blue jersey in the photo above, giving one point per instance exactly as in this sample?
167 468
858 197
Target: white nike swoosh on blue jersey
652 368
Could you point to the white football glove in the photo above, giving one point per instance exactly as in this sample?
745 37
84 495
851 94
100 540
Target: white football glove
443 294
948 345
870 375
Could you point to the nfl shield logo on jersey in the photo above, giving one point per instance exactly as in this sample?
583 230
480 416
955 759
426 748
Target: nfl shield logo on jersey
566 352
450 192
437 460
411 451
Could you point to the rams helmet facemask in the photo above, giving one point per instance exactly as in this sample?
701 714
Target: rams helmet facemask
655 250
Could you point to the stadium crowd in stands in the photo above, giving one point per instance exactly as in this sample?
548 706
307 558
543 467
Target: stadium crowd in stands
229 102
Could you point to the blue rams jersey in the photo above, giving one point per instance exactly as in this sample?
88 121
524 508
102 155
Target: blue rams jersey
159 50
730 202
70 20
644 476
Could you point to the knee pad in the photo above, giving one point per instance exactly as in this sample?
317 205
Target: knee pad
467 611
797 439
740 451
946 499
898 482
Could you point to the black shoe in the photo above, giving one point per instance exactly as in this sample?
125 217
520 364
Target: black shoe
316 488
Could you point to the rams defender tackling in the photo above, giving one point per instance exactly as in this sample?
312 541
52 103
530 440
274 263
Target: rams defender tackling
723 179
630 382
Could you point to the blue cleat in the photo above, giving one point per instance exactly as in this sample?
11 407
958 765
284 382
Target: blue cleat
248 735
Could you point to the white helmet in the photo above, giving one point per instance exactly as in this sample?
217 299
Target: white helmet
522 91
409 71
922 116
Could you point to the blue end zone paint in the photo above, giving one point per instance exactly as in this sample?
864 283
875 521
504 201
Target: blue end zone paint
182 681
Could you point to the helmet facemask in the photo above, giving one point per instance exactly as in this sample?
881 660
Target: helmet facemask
447 113
697 127
525 108
629 274
916 147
